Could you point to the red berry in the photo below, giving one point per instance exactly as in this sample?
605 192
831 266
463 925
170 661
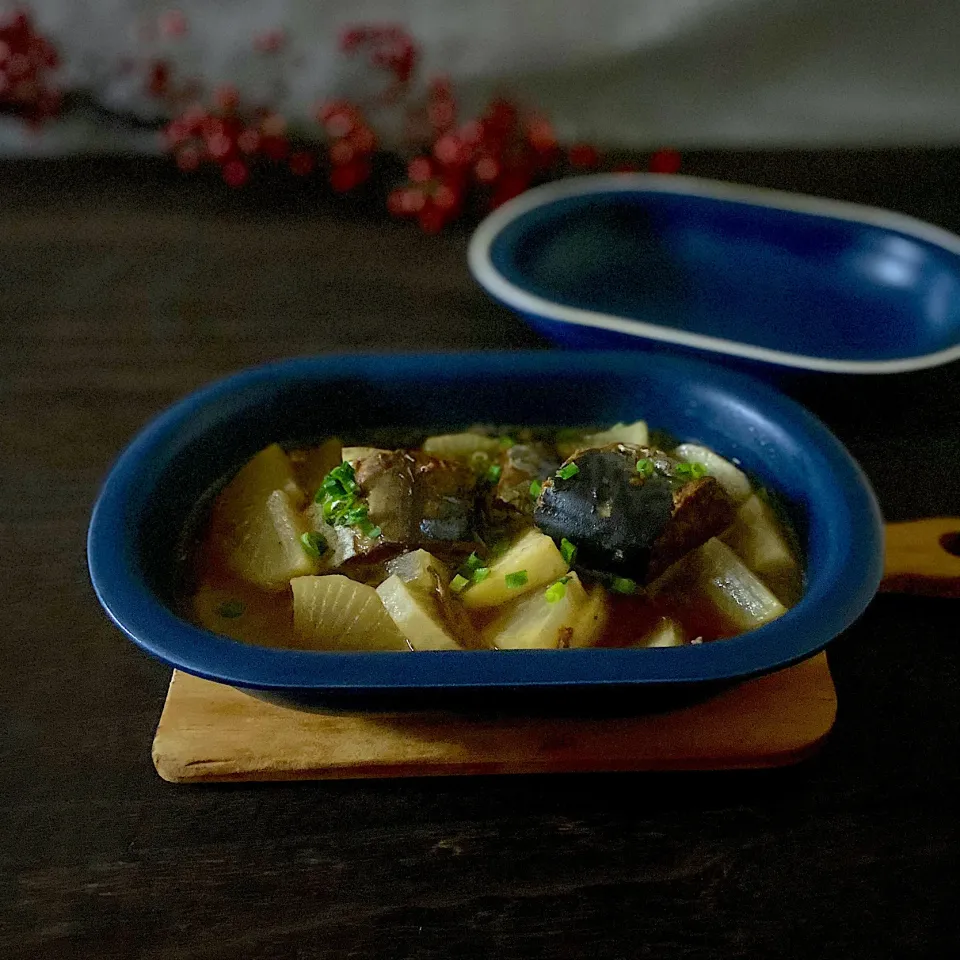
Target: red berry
220 147
271 41
172 24
227 98
486 170
363 139
414 199
301 163
340 123
175 133
188 158
442 114
431 219
540 135
451 151
396 202
665 161
18 66
342 153
420 169
446 198
236 173
249 141
583 156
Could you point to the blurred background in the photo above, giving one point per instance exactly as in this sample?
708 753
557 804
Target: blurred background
633 73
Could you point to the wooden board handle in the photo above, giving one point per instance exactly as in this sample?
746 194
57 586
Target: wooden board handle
923 556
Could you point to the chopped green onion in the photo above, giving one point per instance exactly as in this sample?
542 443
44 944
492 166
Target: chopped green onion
340 503
493 474
567 471
458 583
506 442
645 467
355 516
473 562
313 544
535 487
690 471
517 579
556 591
623 585
568 551
480 574
231 609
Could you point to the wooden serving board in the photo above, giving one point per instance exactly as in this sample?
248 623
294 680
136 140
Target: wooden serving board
211 732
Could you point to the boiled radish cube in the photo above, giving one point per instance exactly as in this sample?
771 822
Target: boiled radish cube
335 613
531 562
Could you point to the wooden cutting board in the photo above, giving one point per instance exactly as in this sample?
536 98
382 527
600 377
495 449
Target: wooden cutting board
210 732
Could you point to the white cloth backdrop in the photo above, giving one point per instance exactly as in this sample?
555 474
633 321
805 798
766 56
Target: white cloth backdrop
641 73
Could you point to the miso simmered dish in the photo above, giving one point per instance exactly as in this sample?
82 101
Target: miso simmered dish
492 539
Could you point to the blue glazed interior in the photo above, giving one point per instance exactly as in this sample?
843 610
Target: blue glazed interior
803 284
152 491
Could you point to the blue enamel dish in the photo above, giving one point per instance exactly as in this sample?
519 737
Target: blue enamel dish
752 276
153 490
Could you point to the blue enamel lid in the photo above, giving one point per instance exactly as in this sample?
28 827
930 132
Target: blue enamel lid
729 272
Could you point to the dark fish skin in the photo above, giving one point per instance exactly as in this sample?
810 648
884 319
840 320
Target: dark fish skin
608 510
625 524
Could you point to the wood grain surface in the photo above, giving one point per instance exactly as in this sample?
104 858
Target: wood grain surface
210 732
122 288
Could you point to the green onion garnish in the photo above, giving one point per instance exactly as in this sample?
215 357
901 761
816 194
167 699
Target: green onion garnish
567 471
623 585
313 545
506 442
340 503
517 579
473 562
645 467
231 609
556 591
568 551
480 574
535 487
458 583
690 471
493 474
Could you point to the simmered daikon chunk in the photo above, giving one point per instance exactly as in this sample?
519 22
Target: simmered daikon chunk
420 569
592 618
313 464
667 633
260 540
758 540
544 619
633 433
733 480
430 620
531 562
475 449
715 578
335 613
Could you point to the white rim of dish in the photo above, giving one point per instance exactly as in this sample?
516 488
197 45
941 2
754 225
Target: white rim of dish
495 283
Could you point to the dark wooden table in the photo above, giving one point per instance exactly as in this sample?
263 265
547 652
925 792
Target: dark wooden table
121 288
